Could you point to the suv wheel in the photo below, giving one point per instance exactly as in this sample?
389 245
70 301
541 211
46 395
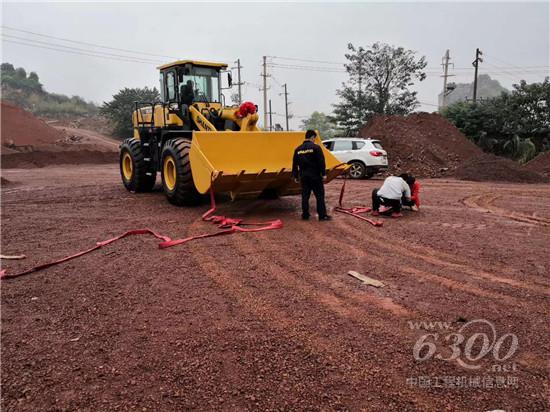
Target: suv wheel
357 170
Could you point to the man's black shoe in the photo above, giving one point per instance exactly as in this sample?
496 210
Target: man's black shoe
305 217
327 217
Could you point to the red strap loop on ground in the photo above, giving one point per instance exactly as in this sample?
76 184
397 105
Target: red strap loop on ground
229 225
355 211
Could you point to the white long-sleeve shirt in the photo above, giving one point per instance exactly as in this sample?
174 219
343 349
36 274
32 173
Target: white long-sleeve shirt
394 187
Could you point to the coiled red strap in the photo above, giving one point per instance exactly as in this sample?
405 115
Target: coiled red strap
355 211
229 225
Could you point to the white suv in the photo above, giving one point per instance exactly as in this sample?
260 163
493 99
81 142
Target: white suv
366 156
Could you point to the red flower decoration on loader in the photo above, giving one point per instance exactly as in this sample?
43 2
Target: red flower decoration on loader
245 109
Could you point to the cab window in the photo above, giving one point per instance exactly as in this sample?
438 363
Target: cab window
162 93
171 86
342 145
205 82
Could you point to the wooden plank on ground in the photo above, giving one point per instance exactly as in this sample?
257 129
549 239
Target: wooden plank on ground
366 280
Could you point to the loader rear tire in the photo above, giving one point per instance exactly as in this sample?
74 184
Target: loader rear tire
137 174
177 179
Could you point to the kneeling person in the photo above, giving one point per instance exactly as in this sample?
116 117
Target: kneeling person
390 194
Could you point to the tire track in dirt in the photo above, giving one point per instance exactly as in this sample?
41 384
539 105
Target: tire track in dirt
405 268
391 245
455 285
443 260
284 321
485 203
265 304
317 284
454 262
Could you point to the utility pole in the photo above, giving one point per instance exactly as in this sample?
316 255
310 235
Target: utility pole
239 82
265 75
446 75
475 63
286 106
270 117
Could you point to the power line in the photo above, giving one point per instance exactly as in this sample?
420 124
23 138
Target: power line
307 68
86 43
306 60
75 52
428 104
33 41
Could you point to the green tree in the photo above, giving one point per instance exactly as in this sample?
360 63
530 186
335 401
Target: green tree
119 110
33 77
379 80
321 122
20 73
7 68
515 124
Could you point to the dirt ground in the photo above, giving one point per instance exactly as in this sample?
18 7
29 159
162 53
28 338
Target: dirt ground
271 320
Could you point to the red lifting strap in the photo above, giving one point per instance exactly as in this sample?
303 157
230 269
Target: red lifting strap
355 211
228 224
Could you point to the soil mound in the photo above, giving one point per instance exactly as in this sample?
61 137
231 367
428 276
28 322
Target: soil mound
488 167
21 128
540 164
424 144
5 182
45 158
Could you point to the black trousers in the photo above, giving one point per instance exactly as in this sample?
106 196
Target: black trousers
315 185
395 204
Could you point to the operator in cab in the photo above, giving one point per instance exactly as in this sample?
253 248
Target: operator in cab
308 168
394 190
187 93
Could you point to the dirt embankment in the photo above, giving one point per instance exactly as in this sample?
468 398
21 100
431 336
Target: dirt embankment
28 141
424 144
42 159
428 145
22 128
540 164
488 167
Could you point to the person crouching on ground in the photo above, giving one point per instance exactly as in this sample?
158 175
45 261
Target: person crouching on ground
394 189
414 203
308 168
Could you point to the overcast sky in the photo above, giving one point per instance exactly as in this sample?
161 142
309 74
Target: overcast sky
514 37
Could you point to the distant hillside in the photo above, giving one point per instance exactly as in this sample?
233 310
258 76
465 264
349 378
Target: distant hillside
486 88
27 92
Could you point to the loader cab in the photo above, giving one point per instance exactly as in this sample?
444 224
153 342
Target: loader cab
187 82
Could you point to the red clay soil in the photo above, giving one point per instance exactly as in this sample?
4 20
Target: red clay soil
271 320
540 164
5 182
424 144
488 167
46 158
21 127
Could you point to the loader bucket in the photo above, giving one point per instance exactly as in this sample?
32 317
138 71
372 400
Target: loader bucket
247 163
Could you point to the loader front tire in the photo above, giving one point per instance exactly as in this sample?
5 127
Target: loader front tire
177 179
136 173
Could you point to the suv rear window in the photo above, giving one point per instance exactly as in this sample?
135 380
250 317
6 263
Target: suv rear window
358 145
377 145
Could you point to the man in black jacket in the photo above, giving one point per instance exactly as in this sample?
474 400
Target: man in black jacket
308 165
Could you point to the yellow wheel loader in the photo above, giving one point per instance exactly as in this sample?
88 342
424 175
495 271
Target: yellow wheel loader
198 144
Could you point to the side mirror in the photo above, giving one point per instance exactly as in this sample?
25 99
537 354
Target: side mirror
229 79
